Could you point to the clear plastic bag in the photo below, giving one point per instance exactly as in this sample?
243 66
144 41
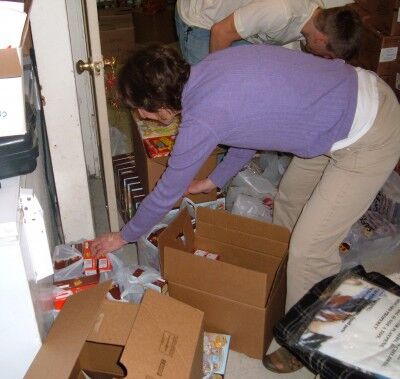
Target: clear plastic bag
253 182
254 208
369 239
353 322
148 252
274 165
70 262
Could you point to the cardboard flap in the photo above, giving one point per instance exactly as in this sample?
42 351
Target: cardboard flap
164 339
236 223
100 361
113 323
10 66
59 353
214 277
179 234
262 245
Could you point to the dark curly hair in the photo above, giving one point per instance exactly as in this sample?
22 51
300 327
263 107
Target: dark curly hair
343 27
153 78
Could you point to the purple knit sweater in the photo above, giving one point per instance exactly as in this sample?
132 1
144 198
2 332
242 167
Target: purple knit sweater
251 97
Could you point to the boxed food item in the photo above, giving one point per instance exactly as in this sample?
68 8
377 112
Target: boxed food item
215 356
159 146
384 15
243 293
65 288
151 169
14 30
96 337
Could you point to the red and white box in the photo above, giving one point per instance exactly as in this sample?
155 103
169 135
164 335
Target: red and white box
66 288
104 264
206 254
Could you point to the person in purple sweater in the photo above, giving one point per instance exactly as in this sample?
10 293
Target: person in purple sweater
340 122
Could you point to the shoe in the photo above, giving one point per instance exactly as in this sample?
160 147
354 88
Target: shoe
282 361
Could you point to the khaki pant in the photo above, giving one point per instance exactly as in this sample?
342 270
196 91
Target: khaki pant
319 199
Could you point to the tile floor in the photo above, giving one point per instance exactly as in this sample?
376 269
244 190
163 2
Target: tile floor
239 365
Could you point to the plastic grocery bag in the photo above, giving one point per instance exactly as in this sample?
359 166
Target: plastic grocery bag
67 262
274 165
148 252
371 237
254 208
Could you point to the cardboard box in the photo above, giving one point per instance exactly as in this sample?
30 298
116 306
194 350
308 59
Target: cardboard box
158 27
117 35
384 15
378 52
151 169
394 79
12 94
161 337
242 294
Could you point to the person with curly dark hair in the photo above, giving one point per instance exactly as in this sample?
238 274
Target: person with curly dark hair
340 122
205 26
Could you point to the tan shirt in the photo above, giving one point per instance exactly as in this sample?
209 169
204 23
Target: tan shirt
274 22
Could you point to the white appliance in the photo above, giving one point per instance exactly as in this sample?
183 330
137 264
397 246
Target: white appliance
25 278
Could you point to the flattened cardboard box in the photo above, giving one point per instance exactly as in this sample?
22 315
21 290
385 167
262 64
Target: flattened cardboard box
160 338
150 170
242 294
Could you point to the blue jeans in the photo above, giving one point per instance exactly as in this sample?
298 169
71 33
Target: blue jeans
195 42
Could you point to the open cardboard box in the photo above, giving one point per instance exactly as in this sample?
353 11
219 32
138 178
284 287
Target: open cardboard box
243 294
151 169
98 338
12 98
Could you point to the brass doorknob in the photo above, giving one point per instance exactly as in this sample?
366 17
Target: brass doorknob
95 67
92 67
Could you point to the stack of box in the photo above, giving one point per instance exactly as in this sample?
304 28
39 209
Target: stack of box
117 34
128 185
150 168
380 47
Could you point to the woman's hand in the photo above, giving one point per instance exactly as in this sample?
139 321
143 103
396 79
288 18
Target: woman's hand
200 186
106 243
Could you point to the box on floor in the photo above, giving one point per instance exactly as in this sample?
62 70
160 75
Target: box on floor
244 293
161 337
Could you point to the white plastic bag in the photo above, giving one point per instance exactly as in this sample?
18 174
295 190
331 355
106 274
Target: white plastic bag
274 165
148 253
67 253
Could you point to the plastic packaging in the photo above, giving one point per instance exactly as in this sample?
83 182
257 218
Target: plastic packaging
355 322
67 263
254 208
369 239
